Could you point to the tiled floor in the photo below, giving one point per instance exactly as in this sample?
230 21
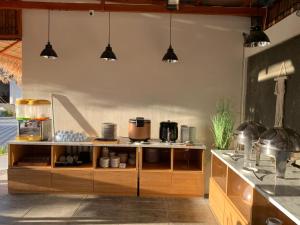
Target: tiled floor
88 209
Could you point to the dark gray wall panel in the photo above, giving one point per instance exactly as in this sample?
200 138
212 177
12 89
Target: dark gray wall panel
260 95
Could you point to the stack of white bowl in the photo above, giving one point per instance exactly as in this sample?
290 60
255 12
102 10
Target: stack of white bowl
114 162
104 162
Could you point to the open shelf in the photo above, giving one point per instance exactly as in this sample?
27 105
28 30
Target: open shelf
30 156
219 172
156 166
240 193
84 155
130 168
156 159
82 166
187 160
102 151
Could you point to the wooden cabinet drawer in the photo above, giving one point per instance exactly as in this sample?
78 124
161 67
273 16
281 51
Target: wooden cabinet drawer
76 181
232 216
155 183
29 180
115 182
216 200
187 183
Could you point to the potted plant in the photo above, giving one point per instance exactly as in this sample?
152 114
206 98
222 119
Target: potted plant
222 125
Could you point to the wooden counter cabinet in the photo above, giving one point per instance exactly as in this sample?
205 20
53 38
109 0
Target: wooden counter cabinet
235 202
39 167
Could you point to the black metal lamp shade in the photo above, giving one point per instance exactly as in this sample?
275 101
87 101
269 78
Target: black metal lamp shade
256 38
170 56
108 54
49 52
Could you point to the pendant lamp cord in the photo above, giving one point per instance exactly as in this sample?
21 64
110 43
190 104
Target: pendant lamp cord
48 25
108 27
170 29
265 19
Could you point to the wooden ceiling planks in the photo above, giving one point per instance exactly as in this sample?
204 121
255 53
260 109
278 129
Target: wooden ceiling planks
10 24
158 6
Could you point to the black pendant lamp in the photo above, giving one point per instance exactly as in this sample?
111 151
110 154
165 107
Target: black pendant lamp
256 38
48 51
108 54
170 56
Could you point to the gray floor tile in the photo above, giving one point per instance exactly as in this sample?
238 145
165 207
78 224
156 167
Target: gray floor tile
4 220
41 221
186 204
193 215
145 205
62 209
14 208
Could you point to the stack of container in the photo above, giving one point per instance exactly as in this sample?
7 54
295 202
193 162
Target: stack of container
34 121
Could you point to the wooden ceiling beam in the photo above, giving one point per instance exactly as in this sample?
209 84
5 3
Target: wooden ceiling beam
117 7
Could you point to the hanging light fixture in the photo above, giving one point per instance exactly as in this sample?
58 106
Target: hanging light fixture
257 37
108 53
170 56
48 51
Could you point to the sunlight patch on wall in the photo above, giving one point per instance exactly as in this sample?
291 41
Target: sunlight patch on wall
284 68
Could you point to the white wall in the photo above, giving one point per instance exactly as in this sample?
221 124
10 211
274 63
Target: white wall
139 84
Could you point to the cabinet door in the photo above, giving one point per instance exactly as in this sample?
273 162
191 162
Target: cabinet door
187 183
115 182
72 180
155 183
216 200
232 216
29 180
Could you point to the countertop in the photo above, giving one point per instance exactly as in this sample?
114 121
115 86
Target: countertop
282 193
123 143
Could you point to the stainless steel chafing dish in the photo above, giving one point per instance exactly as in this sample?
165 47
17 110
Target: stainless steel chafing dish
278 143
248 132
245 136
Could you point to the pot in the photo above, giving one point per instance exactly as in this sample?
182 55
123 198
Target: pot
168 131
245 136
278 143
139 129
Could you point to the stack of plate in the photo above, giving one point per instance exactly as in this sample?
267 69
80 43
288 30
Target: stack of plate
104 162
109 131
123 157
115 162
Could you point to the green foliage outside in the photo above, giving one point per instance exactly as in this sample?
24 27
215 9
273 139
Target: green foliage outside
222 125
6 113
3 149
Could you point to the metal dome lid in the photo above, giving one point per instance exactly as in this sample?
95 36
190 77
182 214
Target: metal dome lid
249 130
280 139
